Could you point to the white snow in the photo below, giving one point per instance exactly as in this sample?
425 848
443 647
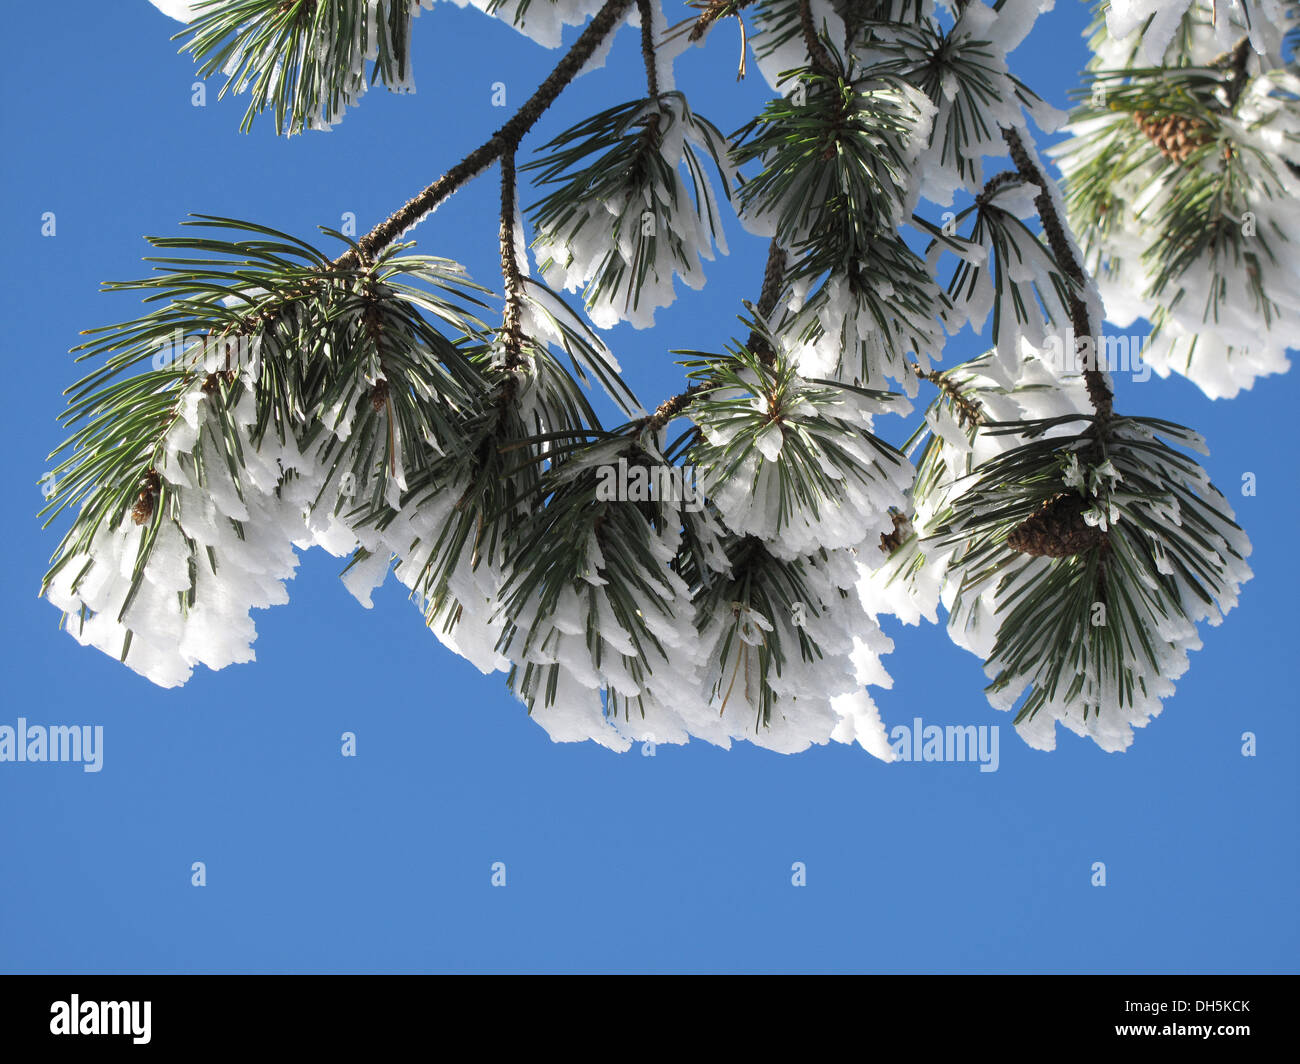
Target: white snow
665 224
672 667
1220 336
181 10
542 20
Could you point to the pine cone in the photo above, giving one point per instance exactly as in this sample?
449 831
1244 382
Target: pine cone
891 541
1057 530
212 380
1177 136
150 486
379 395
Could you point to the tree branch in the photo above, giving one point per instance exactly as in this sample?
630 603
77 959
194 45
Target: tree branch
821 59
996 184
773 276
969 410
713 11
648 47
1099 393
505 138
511 326
502 142
670 408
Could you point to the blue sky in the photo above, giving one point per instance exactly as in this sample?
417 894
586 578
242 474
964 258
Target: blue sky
676 862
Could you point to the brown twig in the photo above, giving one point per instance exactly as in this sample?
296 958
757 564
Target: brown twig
1233 64
713 11
648 47
821 59
506 138
670 408
996 184
1099 393
773 276
511 320
1235 61
968 410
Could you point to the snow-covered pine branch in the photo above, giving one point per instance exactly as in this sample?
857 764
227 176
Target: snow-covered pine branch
281 397
726 583
1183 180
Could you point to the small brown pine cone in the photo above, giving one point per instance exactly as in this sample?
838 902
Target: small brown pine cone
891 541
379 395
1057 530
1177 136
150 486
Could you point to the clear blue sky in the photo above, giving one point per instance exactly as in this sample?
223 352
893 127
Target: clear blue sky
680 861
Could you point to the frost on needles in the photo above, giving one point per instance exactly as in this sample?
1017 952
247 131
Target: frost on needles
379 404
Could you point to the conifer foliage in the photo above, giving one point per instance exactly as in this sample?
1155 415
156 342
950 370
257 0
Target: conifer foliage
718 568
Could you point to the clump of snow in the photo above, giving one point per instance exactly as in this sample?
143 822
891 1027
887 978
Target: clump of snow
1145 29
181 10
541 20
775 56
811 696
814 434
1229 317
319 63
586 644
1139 487
911 581
798 214
863 334
667 229
973 58
226 542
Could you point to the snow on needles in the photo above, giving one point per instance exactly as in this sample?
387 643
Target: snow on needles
653 221
1227 314
609 627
